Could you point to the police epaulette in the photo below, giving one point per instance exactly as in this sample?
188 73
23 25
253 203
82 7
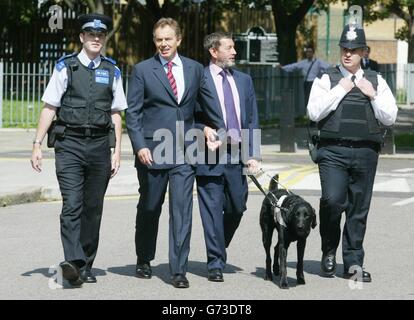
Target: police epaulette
74 54
61 62
109 60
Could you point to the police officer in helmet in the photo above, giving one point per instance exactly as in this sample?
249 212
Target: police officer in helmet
85 94
348 104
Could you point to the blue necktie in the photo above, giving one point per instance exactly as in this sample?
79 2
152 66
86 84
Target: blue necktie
91 65
231 116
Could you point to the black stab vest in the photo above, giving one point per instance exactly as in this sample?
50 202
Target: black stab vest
354 118
88 97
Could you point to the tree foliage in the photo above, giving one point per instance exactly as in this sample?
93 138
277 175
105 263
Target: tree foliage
404 9
131 37
289 15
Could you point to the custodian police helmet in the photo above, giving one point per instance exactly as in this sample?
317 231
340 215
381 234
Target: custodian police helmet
95 22
352 37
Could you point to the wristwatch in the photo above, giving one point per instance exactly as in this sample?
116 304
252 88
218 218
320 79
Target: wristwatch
37 141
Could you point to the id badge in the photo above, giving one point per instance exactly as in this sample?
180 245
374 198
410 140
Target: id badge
102 76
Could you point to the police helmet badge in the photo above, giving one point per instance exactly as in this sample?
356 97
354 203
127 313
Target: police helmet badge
96 23
353 35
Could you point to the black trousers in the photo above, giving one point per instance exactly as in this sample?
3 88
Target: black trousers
152 188
83 168
347 179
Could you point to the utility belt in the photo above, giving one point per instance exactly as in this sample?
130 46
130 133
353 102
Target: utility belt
323 142
59 131
86 132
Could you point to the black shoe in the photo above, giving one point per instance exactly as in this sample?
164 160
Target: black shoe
366 276
70 272
87 276
143 270
328 264
215 275
180 281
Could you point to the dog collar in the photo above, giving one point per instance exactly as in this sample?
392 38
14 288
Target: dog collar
278 217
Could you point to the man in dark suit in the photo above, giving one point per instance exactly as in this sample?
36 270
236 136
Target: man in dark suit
367 63
222 187
163 93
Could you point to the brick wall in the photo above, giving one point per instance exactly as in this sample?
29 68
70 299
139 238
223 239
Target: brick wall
383 51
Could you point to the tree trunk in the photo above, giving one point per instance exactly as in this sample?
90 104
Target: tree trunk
286 45
411 42
286 25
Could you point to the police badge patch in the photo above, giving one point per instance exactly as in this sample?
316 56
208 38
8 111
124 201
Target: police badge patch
102 76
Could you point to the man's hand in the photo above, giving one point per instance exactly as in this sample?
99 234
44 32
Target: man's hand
36 159
145 157
211 136
253 166
366 87
347 84
116 163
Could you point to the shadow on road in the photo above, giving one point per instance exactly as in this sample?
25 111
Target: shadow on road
162 271
49 272
42 271
309 267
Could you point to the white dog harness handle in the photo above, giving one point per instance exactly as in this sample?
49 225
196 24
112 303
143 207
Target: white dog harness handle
278 216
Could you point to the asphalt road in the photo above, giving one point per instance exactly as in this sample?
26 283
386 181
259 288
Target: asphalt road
30 247
30 243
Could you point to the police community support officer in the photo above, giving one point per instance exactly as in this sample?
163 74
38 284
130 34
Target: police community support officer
348 103
86 94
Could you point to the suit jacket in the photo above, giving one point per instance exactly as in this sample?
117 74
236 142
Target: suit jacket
152 104
372 65
248 114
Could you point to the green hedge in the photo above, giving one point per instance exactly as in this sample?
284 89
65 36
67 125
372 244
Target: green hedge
404 140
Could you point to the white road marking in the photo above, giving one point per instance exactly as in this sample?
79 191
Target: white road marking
404 170
303 178
395 175
404 202
393 185
309 182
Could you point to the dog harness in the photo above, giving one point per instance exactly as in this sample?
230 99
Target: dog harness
278 213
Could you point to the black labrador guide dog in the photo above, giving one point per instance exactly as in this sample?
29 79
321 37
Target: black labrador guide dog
293 217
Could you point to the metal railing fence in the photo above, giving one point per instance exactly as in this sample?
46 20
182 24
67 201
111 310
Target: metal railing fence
22 86
21 89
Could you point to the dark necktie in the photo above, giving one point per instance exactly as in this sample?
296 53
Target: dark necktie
91 65
171 79
353 79
232 123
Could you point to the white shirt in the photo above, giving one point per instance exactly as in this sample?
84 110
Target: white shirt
218 82
323 99
178 73
59 82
